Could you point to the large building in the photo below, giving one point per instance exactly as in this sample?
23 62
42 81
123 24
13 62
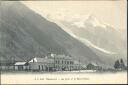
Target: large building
53 62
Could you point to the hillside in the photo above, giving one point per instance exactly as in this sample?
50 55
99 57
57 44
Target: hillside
25 34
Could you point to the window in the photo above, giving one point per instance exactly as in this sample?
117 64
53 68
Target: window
67 62
58 61
70 62
39 67
42 67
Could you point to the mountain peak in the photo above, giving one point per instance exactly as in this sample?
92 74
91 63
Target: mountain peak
94 21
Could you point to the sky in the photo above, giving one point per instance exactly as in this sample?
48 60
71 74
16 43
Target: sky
108 12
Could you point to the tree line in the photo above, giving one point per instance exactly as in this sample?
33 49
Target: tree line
119 64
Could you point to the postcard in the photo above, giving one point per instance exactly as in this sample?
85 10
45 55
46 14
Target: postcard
63 42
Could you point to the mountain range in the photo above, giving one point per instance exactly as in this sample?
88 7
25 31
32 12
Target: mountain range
102 38
25 34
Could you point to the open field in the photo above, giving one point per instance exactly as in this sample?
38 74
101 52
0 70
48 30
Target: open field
63 77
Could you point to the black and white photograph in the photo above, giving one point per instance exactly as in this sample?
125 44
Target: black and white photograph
63 42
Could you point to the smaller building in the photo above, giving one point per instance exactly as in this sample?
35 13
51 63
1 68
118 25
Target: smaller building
93 66
6 65
20 66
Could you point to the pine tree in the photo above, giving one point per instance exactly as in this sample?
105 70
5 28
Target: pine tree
117 64
122 65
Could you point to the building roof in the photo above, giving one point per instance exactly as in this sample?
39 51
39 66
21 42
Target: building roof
42 60
60 56
95 64
20 63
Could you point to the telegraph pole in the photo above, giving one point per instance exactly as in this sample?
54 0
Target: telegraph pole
54 62
79 64
14 62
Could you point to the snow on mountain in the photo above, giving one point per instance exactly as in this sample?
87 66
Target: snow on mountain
94 46
95 31
102 38
81 21
79 24
90 20
85 41
94 21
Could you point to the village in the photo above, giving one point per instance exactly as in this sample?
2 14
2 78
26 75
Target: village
52 62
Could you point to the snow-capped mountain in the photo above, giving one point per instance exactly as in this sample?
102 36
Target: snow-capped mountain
90 20
87 42
101 37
